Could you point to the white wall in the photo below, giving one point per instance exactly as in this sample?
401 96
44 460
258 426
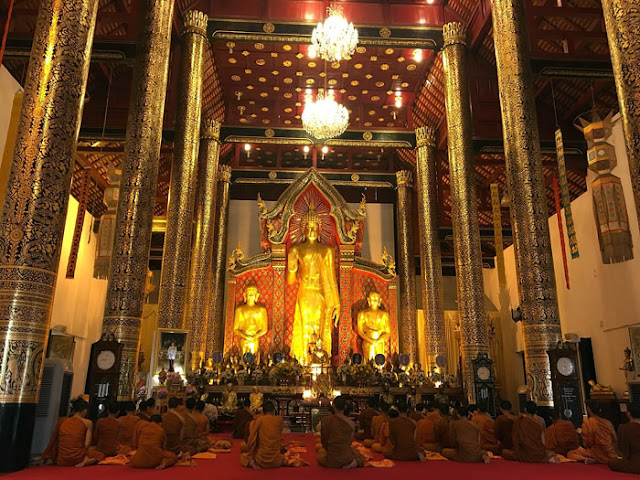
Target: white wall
8 88
603 300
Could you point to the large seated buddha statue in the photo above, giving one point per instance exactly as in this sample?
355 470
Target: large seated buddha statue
318 301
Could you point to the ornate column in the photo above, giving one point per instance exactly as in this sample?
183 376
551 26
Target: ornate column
130 258
200 284
406 265
536 278
464 205
623 31
182 191
215 329
34 211
430 257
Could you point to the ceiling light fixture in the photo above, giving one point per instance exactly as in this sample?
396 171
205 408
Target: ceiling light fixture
325 118
335 39
417 55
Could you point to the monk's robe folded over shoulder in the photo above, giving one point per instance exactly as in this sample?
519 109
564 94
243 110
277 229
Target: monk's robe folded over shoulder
364 423
127 428
503 428
599 438
425 433
336 436
442 430
203 424
467 437
149 447
106 436
487 431
67 446
402 432
416 416
527 442
190 435
241 421
172 423
561 437
264 444
629 445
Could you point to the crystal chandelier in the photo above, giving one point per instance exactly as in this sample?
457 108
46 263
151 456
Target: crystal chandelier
335 39
325 118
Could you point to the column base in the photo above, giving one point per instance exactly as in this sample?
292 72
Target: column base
16 432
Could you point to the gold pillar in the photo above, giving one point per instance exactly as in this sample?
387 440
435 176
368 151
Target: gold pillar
201 284
177 238
406 265
34 210
536 278
130 258
464 205
215 328
623 31
430 257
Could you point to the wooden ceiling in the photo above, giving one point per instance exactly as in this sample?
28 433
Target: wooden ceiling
261 84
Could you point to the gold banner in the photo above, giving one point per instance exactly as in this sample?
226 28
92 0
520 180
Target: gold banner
564 194
497 234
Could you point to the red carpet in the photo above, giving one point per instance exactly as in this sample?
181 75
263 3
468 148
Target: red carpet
227 467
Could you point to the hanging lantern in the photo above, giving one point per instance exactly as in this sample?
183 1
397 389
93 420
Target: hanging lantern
610 210
106 232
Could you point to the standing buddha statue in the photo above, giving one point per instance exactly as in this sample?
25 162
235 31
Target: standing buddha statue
373 327
250 321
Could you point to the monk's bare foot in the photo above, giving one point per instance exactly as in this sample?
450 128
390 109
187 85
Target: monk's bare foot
422 457
162 465
486 459
590 461
555 459
86 461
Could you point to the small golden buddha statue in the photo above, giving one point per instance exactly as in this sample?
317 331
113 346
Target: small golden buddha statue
318 301
229 400
250 321
255 400
317 354
373 327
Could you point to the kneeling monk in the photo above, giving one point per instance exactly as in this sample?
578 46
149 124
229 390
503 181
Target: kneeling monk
467 436
629 442
264 446
336 437
528 439
149 442
598 436
402 437
561 437
69 444
107 432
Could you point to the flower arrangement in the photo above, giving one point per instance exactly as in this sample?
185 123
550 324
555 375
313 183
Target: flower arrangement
190 390
228 376
162 393
362 370
174 377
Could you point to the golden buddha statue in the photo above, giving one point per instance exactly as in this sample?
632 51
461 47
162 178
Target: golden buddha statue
255 400
250 321
318 302
373 327
229 401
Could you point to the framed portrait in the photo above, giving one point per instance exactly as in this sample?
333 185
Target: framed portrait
634 339
172 351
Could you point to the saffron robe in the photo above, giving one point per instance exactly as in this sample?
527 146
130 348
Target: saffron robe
336 436
561 437
264 445
425 433
172 423
416 416
203 424
190 436
467 437
402 432
629 445
487 431
67 444
127 429
106 436
364 423
149 440
528 444
503 429
444 437
241 421
598 438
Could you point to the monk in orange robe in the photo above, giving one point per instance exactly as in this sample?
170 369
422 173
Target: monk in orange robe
127 427
426 434
528 439
143 411
264 446
467 436
203 422
402 435
561 437
416 415
441 429
629 442
151 407
191 437
107 432
503 427
365 418
379 429
149 443
241 420
487 428
336 436
598 437
69 444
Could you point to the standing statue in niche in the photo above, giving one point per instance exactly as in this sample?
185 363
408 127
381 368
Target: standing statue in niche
318 301
373 327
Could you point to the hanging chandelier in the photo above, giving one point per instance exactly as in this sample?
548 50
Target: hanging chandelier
325 118
335 39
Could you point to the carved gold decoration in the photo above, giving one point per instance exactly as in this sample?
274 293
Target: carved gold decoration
184 168
622 20
215 329
430 257
454 33
35 203
367 136
128 272
269 132
269 27
385 32
388 262
201 267
536 278
464 205
407 326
